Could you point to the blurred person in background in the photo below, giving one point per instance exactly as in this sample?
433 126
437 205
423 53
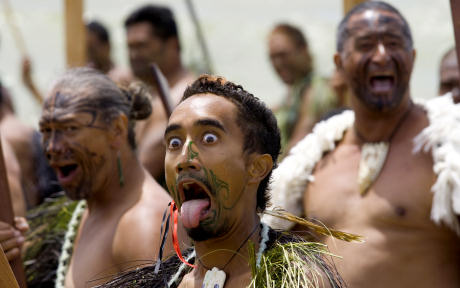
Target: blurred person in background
449 76
308 98
98 53
152 37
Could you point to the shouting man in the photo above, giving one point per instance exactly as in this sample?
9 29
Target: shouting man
222 144
361 172
87 127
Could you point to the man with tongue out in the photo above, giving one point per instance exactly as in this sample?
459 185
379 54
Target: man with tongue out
365 171
221 146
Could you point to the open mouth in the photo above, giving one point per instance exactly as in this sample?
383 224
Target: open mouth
191 190
382 84
65 173
195 202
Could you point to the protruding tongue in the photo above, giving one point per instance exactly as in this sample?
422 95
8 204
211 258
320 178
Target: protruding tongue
191 212
382 84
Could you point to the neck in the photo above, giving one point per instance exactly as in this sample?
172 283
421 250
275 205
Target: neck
219 252
371 126
105 65
112 194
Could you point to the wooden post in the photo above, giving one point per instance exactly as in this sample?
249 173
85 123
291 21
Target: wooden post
7 215
75 33
7 279
348 4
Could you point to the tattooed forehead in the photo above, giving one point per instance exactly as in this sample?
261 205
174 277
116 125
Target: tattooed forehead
374 19
60 105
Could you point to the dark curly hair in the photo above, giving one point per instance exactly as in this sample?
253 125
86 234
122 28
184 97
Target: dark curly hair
257 122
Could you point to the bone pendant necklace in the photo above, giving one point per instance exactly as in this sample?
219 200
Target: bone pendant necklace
215 278
374 155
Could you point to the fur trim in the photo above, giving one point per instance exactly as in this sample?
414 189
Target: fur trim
442 137
291 177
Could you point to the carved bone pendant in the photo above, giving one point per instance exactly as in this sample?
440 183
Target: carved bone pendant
373 156
214 278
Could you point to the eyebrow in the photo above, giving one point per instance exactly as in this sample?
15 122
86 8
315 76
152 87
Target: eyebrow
200 122
172 127
210 122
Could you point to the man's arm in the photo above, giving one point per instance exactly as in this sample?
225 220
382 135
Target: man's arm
28 81
305 121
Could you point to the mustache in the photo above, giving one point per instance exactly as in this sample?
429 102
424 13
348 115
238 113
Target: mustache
198 177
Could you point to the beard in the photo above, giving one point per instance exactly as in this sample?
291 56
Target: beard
140 69
205 231
378 102
381 102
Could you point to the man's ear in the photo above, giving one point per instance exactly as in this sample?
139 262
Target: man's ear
259 167
118 131
338 61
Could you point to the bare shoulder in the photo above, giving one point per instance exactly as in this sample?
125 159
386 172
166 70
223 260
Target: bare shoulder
419 119
138 232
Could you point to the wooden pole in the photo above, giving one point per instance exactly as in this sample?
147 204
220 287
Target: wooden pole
7 215
7 279
15 31
75 33
348 4
200 36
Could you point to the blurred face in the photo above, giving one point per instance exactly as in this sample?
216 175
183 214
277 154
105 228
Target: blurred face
449 77
97 52
377 59
291 62
144 49
76 145
206 169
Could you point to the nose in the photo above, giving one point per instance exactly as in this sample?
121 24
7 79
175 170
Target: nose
189 159
53 146
380 54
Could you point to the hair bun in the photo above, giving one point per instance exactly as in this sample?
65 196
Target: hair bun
140 99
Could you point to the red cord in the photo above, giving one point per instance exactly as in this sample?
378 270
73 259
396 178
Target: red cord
174 214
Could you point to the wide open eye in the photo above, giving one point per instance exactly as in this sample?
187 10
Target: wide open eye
209 138
174 143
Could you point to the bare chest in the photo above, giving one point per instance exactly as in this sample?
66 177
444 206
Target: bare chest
399 197
92 260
